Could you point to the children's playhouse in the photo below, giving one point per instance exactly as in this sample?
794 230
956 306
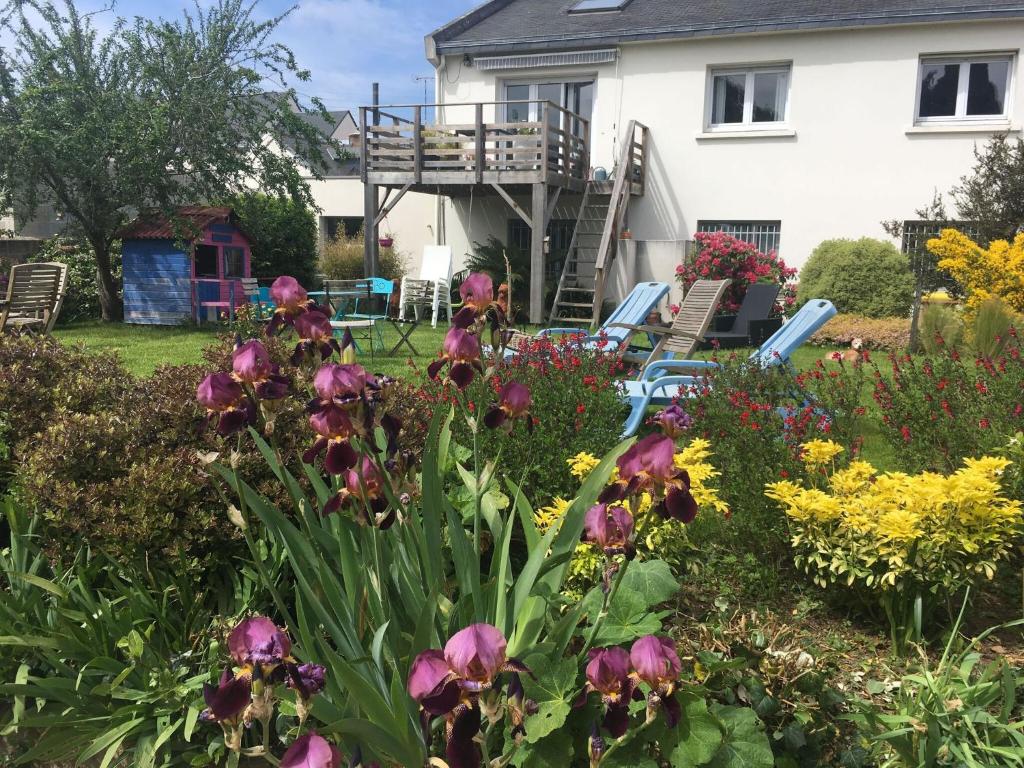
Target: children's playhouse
188 269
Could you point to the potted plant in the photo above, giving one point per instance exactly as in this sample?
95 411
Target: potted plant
385 241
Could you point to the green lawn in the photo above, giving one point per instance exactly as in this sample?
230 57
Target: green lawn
144 347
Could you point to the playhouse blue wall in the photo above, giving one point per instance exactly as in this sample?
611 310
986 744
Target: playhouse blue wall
157 282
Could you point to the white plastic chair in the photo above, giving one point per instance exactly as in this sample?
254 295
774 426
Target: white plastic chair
432 288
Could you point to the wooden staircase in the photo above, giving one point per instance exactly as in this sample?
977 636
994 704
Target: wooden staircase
600 220
574 299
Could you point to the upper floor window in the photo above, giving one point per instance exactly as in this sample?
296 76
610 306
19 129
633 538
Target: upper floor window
750 97
963 88
583 6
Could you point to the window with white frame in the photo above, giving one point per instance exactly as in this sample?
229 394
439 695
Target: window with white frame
974 88
748 97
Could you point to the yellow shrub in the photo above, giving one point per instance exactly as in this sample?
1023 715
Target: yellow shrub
901 537
997 271
666 538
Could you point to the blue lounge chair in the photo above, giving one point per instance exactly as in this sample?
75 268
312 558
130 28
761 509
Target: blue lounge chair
615 331
654 387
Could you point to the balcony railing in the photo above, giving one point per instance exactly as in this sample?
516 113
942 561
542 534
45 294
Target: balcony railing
483 147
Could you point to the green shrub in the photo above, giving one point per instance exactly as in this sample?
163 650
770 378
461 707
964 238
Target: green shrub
111 461
82 300
890 333
342 259
940 326
863 277
283 235
576 408
938 410
743 410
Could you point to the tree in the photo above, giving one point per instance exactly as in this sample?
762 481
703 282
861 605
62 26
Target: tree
992 195
283 233
151 116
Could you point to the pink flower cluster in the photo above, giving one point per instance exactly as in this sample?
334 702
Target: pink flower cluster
721 256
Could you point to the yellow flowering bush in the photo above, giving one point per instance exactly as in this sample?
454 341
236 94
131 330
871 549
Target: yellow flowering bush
908 540
667 538
985 273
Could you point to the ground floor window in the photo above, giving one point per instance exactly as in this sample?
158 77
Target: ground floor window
332 226
764 234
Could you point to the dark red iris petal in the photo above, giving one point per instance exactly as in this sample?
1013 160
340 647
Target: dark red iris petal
340 457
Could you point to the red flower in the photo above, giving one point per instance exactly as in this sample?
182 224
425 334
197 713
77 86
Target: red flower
581 408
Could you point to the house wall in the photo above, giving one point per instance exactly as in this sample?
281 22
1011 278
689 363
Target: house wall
854 159
412 222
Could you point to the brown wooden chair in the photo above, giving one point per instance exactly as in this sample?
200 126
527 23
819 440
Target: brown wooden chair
688 326
35 294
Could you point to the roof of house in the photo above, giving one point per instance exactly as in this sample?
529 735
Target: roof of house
531 25
159 227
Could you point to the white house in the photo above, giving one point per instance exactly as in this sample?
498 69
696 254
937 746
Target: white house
786 123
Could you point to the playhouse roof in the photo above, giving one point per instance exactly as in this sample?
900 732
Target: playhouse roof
159 227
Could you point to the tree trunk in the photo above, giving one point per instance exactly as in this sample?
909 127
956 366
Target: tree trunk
111 305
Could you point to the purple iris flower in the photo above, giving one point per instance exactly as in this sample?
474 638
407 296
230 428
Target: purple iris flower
432 683
259 641
290 300
650 466
477 292
610 528
462 351
608 674
250 364
227 701
514 402
365 489
315 334
674 421
656 663
450 682
307 679
224 398
311 750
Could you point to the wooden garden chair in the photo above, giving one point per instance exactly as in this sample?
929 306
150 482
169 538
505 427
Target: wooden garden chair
35 294
688 328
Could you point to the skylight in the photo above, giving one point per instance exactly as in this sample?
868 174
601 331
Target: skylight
585 6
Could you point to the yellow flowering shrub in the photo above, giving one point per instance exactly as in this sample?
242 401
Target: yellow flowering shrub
667 538
902 538
985 273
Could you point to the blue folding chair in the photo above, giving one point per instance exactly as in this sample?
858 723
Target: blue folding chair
655 388
374 293
633 310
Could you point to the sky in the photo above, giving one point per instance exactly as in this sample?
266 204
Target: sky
346 44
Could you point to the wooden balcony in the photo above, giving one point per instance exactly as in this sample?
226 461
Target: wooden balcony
407 146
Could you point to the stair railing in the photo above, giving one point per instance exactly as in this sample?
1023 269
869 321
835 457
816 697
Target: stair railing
631 170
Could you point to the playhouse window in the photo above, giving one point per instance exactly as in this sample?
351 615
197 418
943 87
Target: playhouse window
206 261
234 262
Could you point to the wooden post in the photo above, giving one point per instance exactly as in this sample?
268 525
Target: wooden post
417 144
371 249
566 143
364 151
585 154
480 155
545 136
537 256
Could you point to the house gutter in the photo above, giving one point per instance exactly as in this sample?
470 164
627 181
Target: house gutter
438 47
